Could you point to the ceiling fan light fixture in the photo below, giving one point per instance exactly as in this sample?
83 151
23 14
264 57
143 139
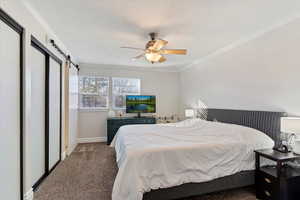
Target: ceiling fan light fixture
154 50
153 57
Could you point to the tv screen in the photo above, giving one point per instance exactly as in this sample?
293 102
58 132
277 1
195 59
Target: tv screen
140 104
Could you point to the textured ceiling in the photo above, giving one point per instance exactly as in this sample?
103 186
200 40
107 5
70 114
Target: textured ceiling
94 30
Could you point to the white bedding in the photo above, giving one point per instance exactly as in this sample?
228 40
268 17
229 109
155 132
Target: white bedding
166 155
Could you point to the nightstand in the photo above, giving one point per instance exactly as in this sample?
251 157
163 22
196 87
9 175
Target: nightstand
280 182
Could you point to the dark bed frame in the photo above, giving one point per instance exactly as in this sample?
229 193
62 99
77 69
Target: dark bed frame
267 122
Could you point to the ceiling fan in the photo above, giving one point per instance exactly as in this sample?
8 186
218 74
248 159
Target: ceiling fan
154 51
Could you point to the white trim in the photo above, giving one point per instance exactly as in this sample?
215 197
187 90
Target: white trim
117 67
63 155
71 148
91 140
29 195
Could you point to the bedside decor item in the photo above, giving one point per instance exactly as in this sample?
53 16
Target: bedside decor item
120 114
291 126
189 113
296 147
167 119
111 113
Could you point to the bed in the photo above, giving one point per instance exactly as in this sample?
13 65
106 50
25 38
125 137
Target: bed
192 157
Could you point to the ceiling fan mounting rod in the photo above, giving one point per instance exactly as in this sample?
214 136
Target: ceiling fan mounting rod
153 35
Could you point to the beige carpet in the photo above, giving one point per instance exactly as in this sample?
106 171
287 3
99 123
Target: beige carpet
89 173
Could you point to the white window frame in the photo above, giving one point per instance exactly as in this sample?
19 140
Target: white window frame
80 94
113 107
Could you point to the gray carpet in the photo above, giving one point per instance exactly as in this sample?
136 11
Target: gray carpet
89 173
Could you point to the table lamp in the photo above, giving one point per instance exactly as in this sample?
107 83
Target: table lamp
189 113
291 125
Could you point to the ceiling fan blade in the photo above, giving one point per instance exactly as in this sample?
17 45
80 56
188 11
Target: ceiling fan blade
133 48
139 56
162 59
173 51
158 44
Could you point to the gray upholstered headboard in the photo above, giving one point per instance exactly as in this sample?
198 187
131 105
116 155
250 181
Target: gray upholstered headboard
267 122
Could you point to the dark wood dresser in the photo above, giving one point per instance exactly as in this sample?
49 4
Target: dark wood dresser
113 124
280 182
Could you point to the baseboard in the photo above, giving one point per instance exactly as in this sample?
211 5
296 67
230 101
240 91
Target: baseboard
63 155
29 195
92 140
72 148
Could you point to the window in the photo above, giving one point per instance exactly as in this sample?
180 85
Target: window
122 87
94 92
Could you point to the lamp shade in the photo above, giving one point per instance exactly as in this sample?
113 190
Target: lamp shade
189 113
290 125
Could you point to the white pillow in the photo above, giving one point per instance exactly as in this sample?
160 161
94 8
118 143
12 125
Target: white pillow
189 122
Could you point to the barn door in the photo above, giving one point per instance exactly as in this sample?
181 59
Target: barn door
11 152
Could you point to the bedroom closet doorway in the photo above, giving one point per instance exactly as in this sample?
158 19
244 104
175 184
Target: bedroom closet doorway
11 94
46 111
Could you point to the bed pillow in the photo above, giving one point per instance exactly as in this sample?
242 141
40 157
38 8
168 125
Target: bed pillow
189 122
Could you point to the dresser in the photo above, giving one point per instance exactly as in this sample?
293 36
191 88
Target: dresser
113 124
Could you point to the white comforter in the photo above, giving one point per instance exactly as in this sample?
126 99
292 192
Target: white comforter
161 156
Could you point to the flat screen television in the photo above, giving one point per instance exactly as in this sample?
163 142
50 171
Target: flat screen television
140 104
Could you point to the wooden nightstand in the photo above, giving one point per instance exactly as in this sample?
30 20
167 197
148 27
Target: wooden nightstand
280 182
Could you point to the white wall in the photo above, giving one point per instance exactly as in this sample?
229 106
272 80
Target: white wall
263 74
162 84
34 25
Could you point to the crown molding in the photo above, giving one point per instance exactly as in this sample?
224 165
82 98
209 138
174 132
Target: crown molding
128 68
